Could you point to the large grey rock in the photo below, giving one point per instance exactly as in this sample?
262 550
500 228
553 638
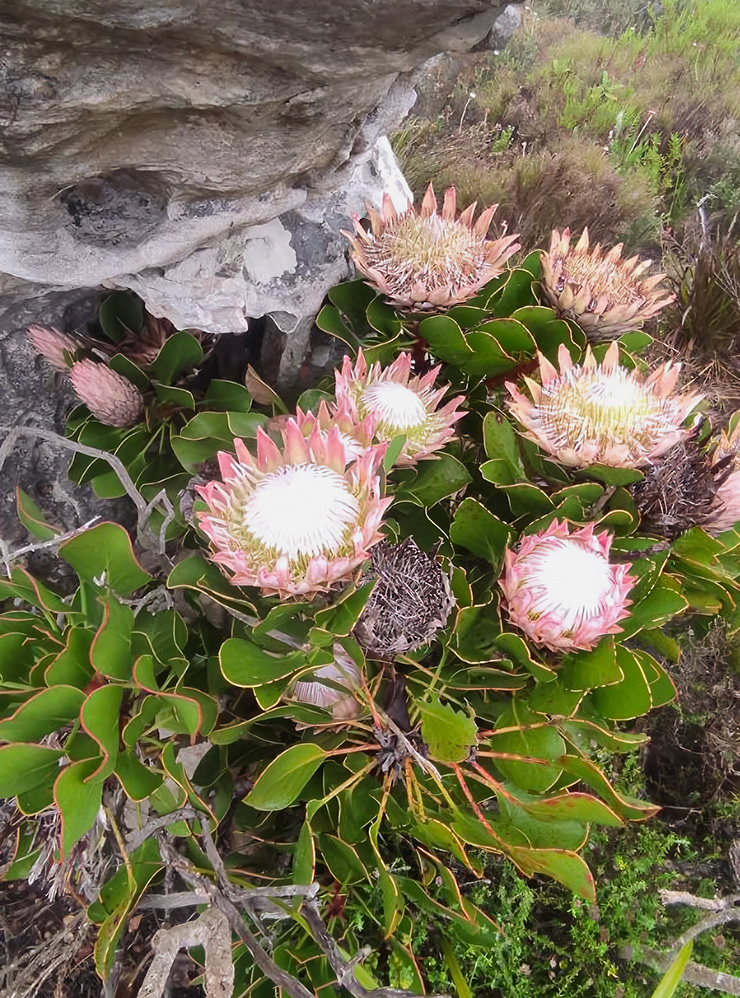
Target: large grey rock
153 145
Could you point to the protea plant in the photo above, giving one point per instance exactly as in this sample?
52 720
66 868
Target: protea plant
603 293
358 435
560 589
603 413
337 694
295 519
399 404
726 463
109 396
57 347
423 260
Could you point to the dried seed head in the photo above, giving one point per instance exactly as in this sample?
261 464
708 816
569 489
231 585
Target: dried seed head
410 602
606 414
423 260
109 396
603 293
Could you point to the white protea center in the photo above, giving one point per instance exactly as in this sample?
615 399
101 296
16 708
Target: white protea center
568 580
302 510
397 407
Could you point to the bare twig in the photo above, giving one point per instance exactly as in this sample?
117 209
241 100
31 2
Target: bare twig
694 973
137 837
710 922
210 930
708 904
10 556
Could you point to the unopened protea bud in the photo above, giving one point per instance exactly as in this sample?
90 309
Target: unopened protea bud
560 589
337 694
399 404
425 261
603 293
109 396
603 414
294 519
57 347
409 604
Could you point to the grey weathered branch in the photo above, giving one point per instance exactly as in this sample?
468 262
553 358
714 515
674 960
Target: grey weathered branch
10 556
694 973
708 904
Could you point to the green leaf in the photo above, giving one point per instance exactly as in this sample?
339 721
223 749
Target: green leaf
104 552
589 773
613 476
513 646
25 767
100 719
566 867
343 614
541 742
449 734
137 780
392 453
72 665
180 352
572 807
78 801
209 432
120 314
672 977
445 340
32 517
656 609
123 365
227 396
304 856
44 713
629 698
111 650
586 670
474 528
246 664
475 633
280 784
434 481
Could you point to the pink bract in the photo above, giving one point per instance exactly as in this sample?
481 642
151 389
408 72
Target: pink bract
561 590
109 396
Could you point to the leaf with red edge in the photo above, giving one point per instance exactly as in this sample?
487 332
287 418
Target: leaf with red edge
32 517
72 666
25 767
78 801
566 867
100 718
44 713
104 553
589 773
111 647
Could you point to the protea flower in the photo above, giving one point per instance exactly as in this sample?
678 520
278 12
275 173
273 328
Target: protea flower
109 396
399 404
410 603
358 436
606 414
603 293
57 347
425 261
560 589
726 463
298 518
338 696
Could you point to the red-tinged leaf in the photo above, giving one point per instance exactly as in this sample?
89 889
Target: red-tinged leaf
22 585
572 807
540 742
100 718
42 714
25 767
589 773
32 517
104 553
137 780
562 865
72 667
111 649
78 801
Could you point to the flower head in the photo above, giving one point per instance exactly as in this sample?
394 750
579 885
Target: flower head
726 464
338 694
109 396
294 519
398 404
423 260
357 435
560 589
57 347
602 413
603 293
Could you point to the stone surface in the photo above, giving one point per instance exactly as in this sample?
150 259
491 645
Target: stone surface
506 24
142 143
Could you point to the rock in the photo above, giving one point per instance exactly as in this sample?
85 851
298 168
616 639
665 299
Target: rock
506 24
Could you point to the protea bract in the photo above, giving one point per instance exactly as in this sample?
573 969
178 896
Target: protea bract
295 519
560 589
336 694
604 413
423 260
109 396
726 462
398 403
57 347
603 293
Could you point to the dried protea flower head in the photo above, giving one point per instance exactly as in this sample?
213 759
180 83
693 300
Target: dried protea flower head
424 260
295 519
341 678
603 293
679 491
603 413
726 465
410 603
109 396
57 347
398 404
560 589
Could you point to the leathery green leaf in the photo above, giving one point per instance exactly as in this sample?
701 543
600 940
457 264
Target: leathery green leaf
78 801
281 783
449 734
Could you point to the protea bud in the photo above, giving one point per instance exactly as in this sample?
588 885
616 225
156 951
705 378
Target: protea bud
295 519
603 414
560 589
410 603
603 293
338 694
398 404
109 396
57 347
426 261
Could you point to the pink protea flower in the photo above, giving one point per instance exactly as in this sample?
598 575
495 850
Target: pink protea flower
726 462
603 414
560 589
53 344
298 518
399 403
425 261
603 293
109 396
358 436
338 695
